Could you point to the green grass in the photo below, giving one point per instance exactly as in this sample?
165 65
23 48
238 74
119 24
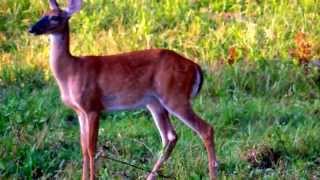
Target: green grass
263 100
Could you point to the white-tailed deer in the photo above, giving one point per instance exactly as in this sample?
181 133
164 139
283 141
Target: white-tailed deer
157 79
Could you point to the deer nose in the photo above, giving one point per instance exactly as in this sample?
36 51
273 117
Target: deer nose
34 30
30 30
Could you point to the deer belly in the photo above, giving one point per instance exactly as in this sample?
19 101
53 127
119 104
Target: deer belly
117 103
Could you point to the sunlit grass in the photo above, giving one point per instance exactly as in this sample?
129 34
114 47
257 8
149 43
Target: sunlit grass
202 30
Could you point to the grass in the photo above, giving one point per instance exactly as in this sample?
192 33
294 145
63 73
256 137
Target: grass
263 100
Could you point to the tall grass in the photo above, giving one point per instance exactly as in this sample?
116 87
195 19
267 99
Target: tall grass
262 100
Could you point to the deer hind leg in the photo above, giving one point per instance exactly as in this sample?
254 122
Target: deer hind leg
184 112
89 124
167 132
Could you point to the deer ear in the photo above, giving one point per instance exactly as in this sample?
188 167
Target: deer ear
54 5
73 6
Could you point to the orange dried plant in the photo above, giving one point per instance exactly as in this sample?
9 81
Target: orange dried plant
232 55
303 50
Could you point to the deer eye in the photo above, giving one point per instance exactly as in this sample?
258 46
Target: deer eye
55 18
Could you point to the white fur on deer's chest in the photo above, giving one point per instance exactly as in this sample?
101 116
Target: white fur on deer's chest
68 95
65 97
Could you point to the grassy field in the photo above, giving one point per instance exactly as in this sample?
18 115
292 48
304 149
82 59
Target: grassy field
263 104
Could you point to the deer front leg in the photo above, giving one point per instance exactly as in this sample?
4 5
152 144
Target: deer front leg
89 124
92 119
84 146
167 132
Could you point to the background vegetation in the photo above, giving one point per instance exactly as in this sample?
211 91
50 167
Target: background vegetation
259 92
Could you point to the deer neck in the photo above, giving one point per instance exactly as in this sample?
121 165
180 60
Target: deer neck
61 61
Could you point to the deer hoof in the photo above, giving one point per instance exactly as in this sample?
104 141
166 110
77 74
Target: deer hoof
152 176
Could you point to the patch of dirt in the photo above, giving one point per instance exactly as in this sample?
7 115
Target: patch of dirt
262 157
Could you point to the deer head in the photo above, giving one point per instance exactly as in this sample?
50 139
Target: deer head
55 20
